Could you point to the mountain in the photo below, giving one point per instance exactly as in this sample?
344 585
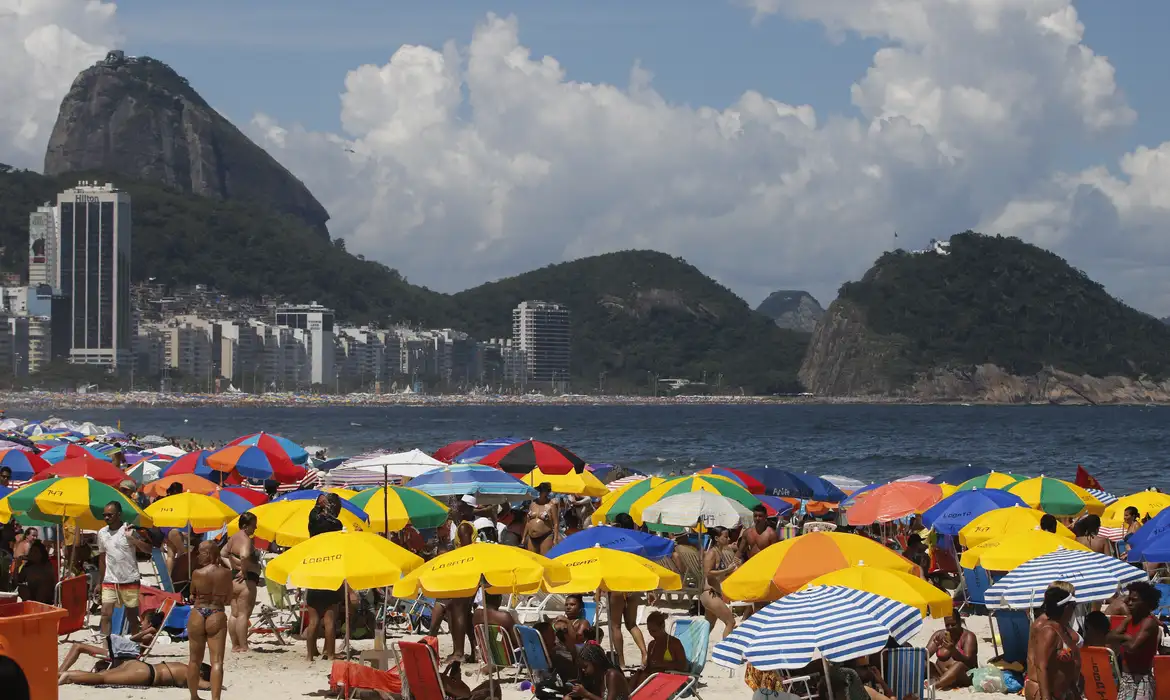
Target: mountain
639 313
989 318
791 309
139 118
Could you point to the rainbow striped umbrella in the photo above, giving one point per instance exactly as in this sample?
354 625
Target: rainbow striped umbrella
622 499
991 480
394 507
276 444
256 463
64 452
24 465
715 484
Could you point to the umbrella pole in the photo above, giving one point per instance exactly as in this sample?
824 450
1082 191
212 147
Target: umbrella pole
828 680
380 626
345 590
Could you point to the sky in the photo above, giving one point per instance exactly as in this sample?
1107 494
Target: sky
774 144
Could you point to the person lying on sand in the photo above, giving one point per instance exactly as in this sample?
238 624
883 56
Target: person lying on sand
139 674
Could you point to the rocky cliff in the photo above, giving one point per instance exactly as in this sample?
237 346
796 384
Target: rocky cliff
139 118
794 310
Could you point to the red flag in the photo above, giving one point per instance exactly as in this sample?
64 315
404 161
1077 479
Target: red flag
1086 480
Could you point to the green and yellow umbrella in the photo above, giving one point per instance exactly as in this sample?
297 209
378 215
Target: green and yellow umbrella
1057 497
990 480
73 498
394 507
621 500
705 482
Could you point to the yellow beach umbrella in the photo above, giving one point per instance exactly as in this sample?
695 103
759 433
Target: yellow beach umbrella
190 509
583 484
360 559
1006 553
620 500
344 493
1056 496
896 585
287 522
598 568
990 480
1148 504
458 573
1002 522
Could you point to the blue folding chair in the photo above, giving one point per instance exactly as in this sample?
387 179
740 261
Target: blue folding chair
160 568
535 655
589 610
695 635
977 581
1164 604
1014 628
906 672
118 622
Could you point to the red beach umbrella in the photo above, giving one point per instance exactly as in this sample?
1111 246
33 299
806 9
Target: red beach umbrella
749 482
447 453
523 457
95 469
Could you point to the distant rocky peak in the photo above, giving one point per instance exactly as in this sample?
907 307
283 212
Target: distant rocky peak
792 309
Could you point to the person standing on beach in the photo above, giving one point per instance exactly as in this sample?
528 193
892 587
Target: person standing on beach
118 545
544 519
207 627
759 537
241 554
1138 639
322 605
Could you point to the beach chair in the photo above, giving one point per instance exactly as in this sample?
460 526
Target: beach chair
907 673
1014 628
161 570
975 582
497 650
533 653
419 672
534 607
589 610
664 686
118 622
419 614
73 595
800 686
1099 671
176 625
695 635
1161 677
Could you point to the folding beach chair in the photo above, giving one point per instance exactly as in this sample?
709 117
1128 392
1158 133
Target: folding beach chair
1161 677
118 622
1099 671
695 635
497 650
1163 610
161 570
419 671
975 582
664 686
534 607
534 654
1014 628
589 610
907 673
73 594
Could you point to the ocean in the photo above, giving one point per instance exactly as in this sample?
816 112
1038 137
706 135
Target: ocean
1125 447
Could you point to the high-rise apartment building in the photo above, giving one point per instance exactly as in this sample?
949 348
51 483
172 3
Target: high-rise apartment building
312 324
42 246
540 330
93 272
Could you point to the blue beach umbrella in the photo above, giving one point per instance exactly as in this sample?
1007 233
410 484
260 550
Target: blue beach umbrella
1152 541
63 452
829 622
313 494
958 475
472 480
484 448
1095 576
23 465
781 482
952 513
276 444
632 541
776 503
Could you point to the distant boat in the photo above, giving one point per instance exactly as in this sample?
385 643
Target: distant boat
356 425
557 428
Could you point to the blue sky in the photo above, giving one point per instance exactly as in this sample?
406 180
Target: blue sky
288 58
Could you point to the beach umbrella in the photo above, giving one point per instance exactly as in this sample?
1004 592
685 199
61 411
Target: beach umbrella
893 502
11 423
13 445
457 574
1148 504
953 513
473 480
913 478
196 463
1057 497
314 494
1103 496
256 463
239 498
523 457
189 482
65 452
76 498
1002 522
739 476
895 585
991 480
1008 552
686 484
376 468
1151 542
86 466
483 448
959 475
826 622
190 510
447 453
600 569
343 492
144 471
24 465
780 482
274 444
287 522
1096 577
786 566
575 483
360 560
394 507
858 496
777 505
622 498
697 509
847 484
619 539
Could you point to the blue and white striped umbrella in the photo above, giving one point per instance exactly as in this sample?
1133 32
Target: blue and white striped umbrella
1103 496
472 480
1096 577
829 622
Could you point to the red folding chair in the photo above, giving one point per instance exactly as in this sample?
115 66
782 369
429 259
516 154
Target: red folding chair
665 686
420 672
74 596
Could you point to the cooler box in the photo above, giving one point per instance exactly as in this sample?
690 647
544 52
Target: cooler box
28 636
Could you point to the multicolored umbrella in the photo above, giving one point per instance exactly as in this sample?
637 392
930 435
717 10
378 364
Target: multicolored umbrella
447 453
699 509
472 480
958 475
776 505
274 444
1057 497
86 466
894 501
256 463
24 465
687 484
394 507
953 513
621 500
240 499
523 457
64 452
190 482
75 498
483 448
744 479
780 482
196 463
991 480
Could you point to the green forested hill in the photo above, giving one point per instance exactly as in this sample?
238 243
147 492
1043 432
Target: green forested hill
1001 301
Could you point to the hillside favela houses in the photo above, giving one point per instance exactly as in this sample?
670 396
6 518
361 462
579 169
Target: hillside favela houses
77 305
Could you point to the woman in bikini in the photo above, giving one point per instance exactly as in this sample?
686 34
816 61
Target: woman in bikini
543 520
598 679
134 673
1054 656
211 589
719 562
956 651
623 611
665 653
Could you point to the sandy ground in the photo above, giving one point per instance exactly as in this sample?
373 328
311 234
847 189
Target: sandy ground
273 671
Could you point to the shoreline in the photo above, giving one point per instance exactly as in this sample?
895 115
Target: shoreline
71 400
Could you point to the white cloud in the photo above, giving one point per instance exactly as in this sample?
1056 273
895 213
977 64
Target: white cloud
44 44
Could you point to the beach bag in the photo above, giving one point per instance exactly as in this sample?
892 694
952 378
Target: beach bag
987 679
